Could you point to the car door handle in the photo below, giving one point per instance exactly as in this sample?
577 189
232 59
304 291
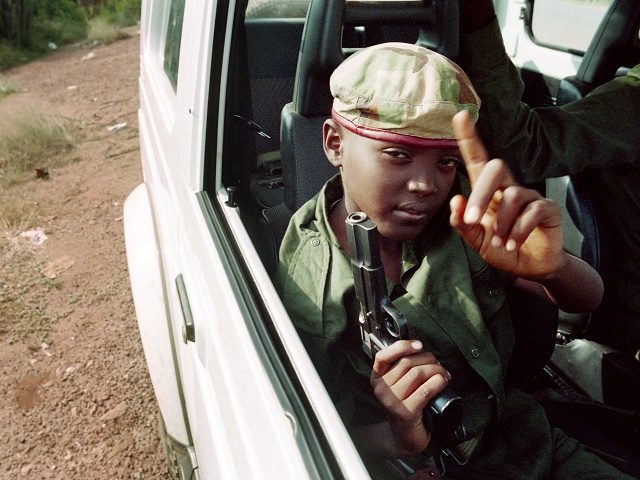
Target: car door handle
188 328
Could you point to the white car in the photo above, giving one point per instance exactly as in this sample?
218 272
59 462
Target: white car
221 83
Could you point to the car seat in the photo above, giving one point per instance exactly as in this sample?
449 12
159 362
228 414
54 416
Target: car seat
333 30
305 168
262 67
613 47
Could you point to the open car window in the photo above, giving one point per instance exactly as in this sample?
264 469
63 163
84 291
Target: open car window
566 24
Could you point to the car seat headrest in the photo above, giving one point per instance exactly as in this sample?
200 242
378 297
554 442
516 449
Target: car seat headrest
361 24
322 51
614 44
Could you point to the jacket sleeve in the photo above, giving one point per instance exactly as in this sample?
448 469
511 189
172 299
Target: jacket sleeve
598 131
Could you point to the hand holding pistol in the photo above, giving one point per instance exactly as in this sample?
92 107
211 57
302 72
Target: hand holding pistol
381 323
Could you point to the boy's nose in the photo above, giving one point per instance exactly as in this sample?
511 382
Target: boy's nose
422 186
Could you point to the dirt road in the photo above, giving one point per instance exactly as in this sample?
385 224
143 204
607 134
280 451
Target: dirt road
77 402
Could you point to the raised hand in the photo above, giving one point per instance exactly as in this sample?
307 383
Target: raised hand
513 228
404 380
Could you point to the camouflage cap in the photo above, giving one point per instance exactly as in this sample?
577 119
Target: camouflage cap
402 93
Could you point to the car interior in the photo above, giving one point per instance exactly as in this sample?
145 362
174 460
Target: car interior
277 101
613 50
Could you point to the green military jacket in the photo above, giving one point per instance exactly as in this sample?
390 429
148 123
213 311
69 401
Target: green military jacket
598 136
454 303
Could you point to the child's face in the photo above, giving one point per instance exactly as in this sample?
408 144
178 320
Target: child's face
399 187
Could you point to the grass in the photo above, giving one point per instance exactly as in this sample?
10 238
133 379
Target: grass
7 87
42 32
24 294
67 24
16 215
11 56
60 31
37 141
104 32
23 289
34 140
122 13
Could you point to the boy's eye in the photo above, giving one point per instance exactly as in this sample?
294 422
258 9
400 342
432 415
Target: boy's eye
450 161
399 154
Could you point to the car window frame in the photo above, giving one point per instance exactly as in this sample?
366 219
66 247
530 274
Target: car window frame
293 376
526 14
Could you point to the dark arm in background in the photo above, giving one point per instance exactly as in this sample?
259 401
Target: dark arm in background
598 131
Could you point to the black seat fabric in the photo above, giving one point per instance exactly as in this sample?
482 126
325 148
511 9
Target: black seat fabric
588 215
302 141
266 57
535 322
272 49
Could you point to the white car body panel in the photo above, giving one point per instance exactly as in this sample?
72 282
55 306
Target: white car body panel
234 418
149 296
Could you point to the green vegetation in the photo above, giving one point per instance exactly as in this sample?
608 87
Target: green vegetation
102 31
36 141
121 13
7 87
24 296
32 28
15 215
11 56
107 21
29 28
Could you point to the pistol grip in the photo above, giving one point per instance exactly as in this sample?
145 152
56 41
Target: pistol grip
447 417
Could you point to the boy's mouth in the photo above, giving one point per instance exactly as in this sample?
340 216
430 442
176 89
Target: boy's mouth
414 211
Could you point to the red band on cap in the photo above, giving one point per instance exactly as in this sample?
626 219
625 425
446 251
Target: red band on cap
394 137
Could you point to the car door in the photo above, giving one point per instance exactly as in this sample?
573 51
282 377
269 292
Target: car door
233 381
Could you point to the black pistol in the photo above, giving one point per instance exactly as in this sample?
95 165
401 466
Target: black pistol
381 323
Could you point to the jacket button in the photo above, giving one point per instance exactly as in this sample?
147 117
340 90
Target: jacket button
494 292
315 242
475 353
431 299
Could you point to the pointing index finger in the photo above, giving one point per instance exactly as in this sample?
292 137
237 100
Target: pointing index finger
471 147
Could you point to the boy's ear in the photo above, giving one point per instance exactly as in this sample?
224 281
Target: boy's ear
332 142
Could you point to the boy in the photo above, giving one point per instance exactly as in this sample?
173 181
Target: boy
391 138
